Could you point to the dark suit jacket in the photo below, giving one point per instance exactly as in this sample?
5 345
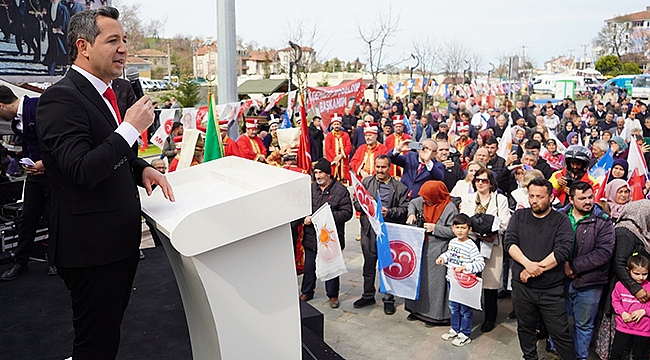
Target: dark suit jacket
28 133
94 175
410 176
398 203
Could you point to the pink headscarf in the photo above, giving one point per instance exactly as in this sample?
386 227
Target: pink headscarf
611 189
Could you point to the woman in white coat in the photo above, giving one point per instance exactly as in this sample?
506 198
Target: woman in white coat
485 200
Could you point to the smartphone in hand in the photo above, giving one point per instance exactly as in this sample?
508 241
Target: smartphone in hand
27 162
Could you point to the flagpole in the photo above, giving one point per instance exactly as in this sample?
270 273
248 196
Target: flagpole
227 57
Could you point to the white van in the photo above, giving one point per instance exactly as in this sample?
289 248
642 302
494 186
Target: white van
641 87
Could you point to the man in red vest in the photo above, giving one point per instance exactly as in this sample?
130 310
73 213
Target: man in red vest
250 145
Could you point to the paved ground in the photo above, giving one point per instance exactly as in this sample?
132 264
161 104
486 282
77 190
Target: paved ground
370 334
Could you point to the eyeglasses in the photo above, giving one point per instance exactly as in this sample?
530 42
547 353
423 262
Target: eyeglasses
481 181
161 167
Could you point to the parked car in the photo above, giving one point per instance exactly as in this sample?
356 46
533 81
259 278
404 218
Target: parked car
147 85
641 87
620 82
160 84
174 81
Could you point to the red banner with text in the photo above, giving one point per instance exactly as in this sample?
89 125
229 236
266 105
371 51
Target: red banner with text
329 100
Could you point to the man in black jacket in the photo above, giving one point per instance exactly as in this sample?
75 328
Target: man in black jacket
453 170
394 201
324 189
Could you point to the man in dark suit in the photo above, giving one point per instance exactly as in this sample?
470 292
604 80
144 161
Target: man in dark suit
394 207
94 173
418 167
17 11
22 113
518 112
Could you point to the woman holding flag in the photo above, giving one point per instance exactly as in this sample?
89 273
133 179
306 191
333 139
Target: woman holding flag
434 211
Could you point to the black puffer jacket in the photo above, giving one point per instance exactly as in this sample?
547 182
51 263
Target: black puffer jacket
338 196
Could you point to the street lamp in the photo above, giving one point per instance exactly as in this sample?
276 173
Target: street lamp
466 71
416 58
490 72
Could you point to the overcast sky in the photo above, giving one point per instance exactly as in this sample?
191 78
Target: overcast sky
491 28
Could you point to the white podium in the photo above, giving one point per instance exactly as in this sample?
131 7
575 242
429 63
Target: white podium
228 240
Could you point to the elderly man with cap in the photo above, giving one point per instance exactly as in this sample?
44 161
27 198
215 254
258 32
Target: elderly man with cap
250 145
363 161
230 147
324 189
395 140
337 150
271 139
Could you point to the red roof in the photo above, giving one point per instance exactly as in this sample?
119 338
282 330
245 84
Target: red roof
262 55
206 49
149 52
136 60
641 15
303 48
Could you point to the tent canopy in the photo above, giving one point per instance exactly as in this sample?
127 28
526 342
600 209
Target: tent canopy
264 86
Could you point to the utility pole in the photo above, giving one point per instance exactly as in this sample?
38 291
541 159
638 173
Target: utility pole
227 57
169 64
584 59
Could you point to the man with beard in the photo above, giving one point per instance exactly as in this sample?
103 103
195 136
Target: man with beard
496 162
394 207
395 140
587 266
271 139
250 145
337 151
462 142
539 239
363 161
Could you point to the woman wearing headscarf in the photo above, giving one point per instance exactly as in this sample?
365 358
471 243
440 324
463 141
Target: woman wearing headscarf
619 147
632 237
434 211
619 170
572 139
568 128
486 200
618 197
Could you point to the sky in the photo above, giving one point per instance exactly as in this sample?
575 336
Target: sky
490 28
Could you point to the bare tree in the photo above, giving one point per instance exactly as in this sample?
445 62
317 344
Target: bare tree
475 63
501 70
454 56
428 51
130 19
377 39
306 33
614 37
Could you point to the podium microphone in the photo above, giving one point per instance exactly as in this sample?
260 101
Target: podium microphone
133 75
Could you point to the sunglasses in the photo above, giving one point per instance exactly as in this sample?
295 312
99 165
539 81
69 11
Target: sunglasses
481 181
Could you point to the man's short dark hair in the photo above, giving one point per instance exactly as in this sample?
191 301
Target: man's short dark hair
176 125
533 144
462 219
383 157
6 95
578 185
442 136
83 25
540 181
491 140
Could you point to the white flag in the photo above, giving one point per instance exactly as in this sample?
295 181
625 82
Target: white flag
465 288
166 123
329 257
403 275
367 202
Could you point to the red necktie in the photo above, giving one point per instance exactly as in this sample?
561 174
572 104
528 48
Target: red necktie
420 167
109 94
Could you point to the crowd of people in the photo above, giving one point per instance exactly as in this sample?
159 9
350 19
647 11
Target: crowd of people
559 251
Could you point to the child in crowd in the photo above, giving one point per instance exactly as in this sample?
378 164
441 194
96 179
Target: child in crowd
632 321
462 255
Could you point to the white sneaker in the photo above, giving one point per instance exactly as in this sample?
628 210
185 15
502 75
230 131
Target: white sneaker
461 340
449 335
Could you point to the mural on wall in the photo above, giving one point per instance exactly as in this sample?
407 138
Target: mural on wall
33 35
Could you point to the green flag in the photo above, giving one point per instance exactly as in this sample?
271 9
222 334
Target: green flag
213 145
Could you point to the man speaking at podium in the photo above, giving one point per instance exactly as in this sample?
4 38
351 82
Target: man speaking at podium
95 227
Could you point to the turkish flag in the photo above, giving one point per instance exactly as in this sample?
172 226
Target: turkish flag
638 170
304 147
